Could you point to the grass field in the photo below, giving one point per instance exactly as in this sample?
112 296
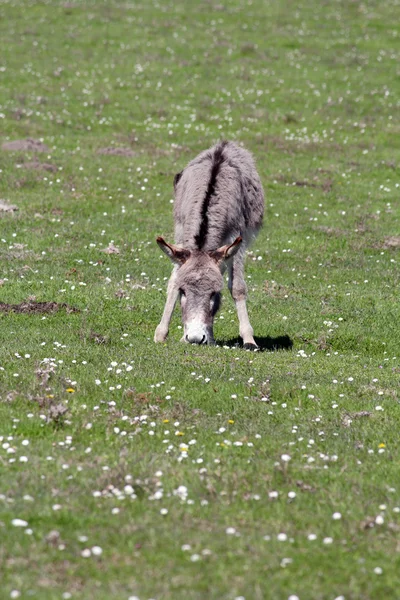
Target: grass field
170 472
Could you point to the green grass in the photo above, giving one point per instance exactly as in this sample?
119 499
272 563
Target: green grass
312 90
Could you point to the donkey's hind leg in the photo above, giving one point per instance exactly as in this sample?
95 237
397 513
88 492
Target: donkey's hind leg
237 287
161 332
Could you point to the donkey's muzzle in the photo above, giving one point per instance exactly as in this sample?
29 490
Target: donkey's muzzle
196 338
196 332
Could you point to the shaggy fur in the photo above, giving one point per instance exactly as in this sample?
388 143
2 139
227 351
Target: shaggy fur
219 196
219 206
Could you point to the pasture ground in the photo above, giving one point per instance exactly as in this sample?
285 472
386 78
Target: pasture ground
130 469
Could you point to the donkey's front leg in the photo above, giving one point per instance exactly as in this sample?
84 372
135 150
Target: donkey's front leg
245 328
161 332
238 289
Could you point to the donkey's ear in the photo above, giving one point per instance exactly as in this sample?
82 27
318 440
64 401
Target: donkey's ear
226 252
175 253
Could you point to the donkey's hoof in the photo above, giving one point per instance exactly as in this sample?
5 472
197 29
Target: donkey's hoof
252 347
160 334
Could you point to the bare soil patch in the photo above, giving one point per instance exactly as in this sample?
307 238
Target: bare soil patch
334 231
5 207
305 486
326 185
38 166
391 242
111 249
98 338
32 307
116 151
348 418
276 290
28 145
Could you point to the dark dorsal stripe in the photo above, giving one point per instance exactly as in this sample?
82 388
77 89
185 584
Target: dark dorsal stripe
217 159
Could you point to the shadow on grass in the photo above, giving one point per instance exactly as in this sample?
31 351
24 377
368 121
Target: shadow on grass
265 344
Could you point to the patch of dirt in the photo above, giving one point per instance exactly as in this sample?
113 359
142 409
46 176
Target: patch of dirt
361 226
116 151
290 118
389 164
97 338
330 230
305 486
368 523
19 251
31 307
55 410
5 207
367 390
38 166
28 145
56 413
304 184
348 418
111 249
139 399
391 242
276 290
325 185
10 396
18 114
53 538
138 286
322 343
43 374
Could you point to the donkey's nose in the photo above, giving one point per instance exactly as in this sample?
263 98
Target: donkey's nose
195 338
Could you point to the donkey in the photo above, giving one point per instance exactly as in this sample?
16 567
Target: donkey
219 207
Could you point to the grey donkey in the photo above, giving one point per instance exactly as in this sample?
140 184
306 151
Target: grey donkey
219 207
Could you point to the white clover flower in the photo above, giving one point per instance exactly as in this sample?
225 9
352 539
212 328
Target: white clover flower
19 523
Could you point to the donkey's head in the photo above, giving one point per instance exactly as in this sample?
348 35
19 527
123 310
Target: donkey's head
199 282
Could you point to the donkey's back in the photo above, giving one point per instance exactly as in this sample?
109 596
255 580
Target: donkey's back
218 196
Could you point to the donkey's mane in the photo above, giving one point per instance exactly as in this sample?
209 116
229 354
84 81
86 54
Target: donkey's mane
216 158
